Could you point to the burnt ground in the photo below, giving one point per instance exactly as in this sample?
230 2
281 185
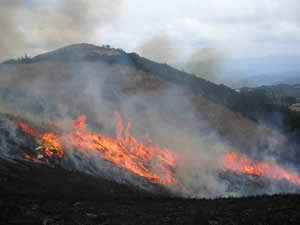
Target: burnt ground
36 194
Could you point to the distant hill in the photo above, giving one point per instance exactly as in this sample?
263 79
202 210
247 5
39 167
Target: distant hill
239 80
284 89
258 71
281 94
271 64
290 78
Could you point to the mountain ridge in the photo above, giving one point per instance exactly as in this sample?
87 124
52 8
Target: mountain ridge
255 107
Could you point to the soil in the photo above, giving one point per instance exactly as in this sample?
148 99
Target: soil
37 194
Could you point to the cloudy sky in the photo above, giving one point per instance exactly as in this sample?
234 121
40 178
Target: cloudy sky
217 29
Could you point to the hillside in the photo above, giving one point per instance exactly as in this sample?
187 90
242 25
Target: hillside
283 95
178 110
219 109
254 107
95 135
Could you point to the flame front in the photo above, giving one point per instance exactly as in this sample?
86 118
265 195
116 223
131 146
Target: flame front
152 162
242 164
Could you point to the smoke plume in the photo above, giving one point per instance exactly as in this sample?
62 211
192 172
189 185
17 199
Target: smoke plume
204 62
29 26
160 48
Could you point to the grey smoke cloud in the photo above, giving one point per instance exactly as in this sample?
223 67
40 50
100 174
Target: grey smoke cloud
204 62
11 35
160 48
34 25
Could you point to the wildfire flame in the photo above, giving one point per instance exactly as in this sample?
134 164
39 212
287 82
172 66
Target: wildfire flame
152 162
242 164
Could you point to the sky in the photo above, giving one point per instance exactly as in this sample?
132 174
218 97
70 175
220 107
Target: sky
171 31
242 28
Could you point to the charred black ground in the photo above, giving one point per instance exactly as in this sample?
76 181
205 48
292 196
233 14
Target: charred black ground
36 194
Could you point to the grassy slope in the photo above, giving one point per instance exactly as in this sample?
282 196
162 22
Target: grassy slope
234 127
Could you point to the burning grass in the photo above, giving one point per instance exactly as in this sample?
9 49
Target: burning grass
156 164
152 162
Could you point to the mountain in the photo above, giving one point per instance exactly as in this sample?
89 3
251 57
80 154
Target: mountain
87 83
74 59
69 116
119 74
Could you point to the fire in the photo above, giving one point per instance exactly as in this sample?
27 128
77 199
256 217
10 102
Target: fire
152 162
49 141
242 164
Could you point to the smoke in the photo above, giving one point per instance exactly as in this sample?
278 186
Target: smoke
169 114
11 34
205 62
29 26
160 48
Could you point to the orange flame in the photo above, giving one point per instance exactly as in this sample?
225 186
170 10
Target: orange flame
241 164
49 141
152 162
